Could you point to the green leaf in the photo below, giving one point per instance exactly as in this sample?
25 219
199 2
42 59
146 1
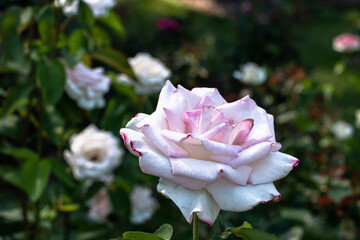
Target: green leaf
141 236
60 172
9 126
21 153
51 75
68 207
113 21
36 176
17 97
52 124
46 24
12 175
13 52
165 231
114 59
25 18
255 234
85 15
245 225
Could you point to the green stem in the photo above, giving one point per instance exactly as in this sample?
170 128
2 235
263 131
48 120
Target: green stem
195 227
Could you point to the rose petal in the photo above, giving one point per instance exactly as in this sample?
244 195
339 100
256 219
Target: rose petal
251 154
164 95
241 132
274 166
191 120
175 136
190 201
272 129
208 171
221 148
135 120
211 94
175 120
170 149
246 108
153 162
232 197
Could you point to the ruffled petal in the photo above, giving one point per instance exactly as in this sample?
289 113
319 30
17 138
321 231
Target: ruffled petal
241 132
164 95
272 128
153 162
274 166
170 149
212 95
135 120
247 155
246 108
189 201
218 148
208 171
232 197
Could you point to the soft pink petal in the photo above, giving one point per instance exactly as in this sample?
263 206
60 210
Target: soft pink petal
189 201
219 129
221 148
274 166
135 120
232 197
248 155
191 120
212 95
175 137
246 108
205 117
272 129
175 120
169 148
208 171
241 132
152 161
164 95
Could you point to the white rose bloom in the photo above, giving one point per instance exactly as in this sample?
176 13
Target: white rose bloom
143 205
87 86
150 74
99 8
93 154
342 130
250 73
100 206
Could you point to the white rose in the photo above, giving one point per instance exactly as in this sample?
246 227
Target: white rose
94 154
150 74
100 206
342 130
143 205
251 73
87 86
99 8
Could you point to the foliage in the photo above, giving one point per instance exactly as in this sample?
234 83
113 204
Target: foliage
309 88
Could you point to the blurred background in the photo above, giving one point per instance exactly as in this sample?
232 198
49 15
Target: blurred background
310 85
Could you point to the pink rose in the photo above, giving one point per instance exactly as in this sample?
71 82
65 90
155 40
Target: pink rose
87 86
208 153
346 42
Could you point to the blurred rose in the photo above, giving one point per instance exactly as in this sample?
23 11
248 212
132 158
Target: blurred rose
143 205
99 8
87 86
209 154
250 73
94 154
346 42
245 6
150 74
342 130
100 206
167 24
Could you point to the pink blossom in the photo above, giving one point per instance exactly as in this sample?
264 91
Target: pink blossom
208 153
167 24
100 206
346 42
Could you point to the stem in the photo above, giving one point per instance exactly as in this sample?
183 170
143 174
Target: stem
66 232
195 227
